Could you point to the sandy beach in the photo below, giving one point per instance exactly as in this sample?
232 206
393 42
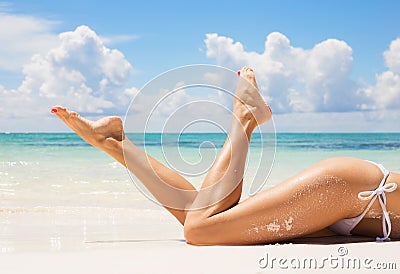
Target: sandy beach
149 240
177 257
159 247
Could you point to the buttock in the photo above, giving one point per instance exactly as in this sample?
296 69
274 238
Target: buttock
372 222
392 201
361 224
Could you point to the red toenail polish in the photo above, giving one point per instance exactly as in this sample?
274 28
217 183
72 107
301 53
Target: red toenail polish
53 110
239 72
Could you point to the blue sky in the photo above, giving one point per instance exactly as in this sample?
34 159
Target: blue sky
155 36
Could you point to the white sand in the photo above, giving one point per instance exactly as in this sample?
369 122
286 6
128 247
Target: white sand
178 257
50 242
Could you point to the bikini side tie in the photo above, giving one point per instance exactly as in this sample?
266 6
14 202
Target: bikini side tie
380 193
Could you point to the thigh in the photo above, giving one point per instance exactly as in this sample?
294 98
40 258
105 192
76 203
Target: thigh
303 204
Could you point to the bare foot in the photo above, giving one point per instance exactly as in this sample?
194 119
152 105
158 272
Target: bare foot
101 133
248 95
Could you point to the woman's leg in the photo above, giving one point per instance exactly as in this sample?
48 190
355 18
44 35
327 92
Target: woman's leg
302 205
306 203
107 134
222 186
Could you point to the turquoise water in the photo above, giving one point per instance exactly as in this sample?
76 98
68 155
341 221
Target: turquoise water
58 193
38 169
295 141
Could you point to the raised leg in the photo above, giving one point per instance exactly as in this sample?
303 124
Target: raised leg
107 134
289 210
222 186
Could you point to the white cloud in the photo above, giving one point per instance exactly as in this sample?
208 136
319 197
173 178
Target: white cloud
295 79
172 99
132 91
385 94
21 36
80 72
392 56
311 80
317 80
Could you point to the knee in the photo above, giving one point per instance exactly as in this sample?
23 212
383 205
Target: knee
192 233
195 233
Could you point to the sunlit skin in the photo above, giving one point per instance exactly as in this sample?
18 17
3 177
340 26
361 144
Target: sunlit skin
304 205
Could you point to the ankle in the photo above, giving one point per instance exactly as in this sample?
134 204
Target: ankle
246 124
244 115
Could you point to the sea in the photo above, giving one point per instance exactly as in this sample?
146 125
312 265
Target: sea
57 192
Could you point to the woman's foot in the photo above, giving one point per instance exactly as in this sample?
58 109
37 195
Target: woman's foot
101 133
248 101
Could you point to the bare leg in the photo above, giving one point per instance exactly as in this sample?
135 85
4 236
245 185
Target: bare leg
227 171
304 204
291 209
222 186
107 134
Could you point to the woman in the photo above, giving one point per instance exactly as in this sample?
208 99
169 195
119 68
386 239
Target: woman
338 195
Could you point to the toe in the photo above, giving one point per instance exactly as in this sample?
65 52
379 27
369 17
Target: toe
247 72
73 114
61 112
56 110
242 71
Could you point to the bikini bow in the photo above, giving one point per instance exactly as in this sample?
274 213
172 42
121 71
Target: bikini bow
380 194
